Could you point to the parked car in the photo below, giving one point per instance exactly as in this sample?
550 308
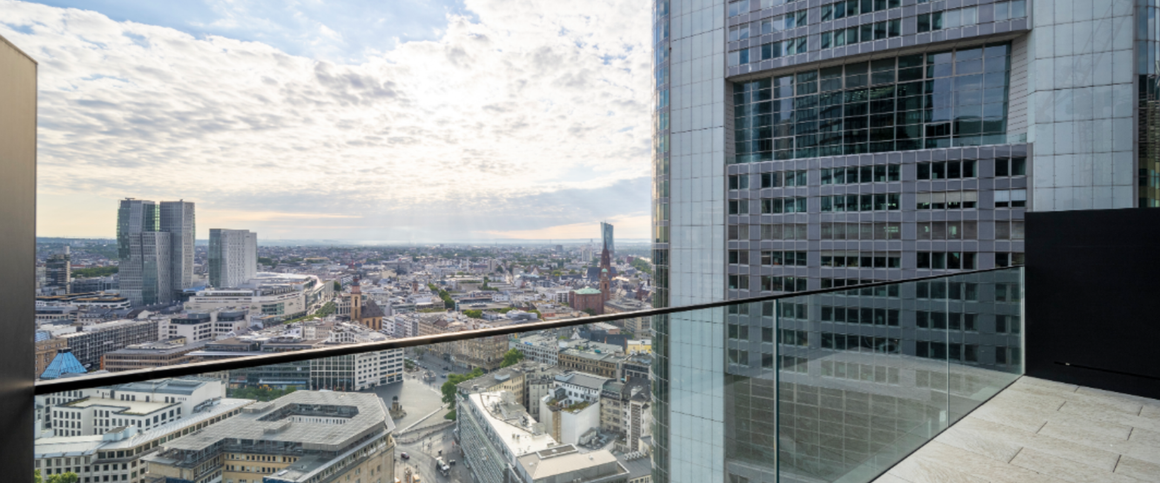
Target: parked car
405 456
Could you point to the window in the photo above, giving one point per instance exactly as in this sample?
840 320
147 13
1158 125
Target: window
1010 167
739 282
954 200
948 230
779 258
946 261
961 17
783 284
770 180
1010 10
1009 230
785 232
876 202
738 8
947 170
784 205
862 260
738 207
739 182
1008 259
1011 198
771 50
740 32
866 174
739 257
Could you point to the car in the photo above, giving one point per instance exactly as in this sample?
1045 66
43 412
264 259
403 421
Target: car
447 368
443 376
405 456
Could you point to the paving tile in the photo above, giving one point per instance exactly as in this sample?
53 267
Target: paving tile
1101 414
919 468
969 463
1138 469
1118 396
1065 469
1044 383
1151 412
1107 404
996 441
1021 418
1096 435
1027 400
890 478
1099 459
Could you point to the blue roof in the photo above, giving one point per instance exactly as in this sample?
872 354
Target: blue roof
43 335
63 363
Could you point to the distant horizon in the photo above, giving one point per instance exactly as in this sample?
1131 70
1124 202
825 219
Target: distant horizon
319 242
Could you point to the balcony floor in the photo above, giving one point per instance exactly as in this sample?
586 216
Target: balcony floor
1043 431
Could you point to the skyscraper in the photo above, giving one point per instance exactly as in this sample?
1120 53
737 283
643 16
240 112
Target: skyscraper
58 270
606 238
177 219
233 257
801 146
155 245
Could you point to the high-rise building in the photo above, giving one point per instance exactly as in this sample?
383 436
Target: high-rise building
802 146
606 238
155 246
177 219
58 270
233 257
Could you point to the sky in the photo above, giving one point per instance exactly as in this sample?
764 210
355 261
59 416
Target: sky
363 121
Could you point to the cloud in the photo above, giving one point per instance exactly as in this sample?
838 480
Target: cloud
510 113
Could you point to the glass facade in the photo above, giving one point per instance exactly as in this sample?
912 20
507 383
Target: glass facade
660 228
921 101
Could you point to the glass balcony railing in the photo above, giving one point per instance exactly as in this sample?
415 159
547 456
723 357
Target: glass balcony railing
833 385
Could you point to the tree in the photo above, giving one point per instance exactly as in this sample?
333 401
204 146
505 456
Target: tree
36 477
450 415
475 314
337 286
453 380
512 357
69 477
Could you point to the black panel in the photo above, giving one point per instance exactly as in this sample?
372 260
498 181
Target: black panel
1093 299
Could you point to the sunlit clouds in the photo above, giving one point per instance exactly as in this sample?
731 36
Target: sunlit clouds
526 119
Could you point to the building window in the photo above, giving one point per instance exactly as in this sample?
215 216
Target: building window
739 282
739 257
862 174
739 207
953 200
1009 230
780 258
1008 259
739 182
947 170
862 260
1010 198
799 231
946 260
948 230
783 284
849 203
922 101
1010 167
738 8
783 205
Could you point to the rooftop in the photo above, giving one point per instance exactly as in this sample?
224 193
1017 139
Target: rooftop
565 459
511 423
1044 431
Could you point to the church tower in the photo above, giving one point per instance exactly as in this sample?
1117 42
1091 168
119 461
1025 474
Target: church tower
606 274
356 302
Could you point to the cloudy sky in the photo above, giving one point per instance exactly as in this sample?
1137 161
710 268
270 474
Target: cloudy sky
355 120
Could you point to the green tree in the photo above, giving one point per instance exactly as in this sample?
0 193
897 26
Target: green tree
453 380
450 415
337 286
512 357
36 477
475 314
69 477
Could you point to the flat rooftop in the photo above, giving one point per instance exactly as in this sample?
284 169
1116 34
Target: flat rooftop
565 459
276 421
1044 431
511 423
128 407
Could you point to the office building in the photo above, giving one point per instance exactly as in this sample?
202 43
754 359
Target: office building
177 219
90 343
502 442
143 405
302 437
170 352
606 240
117 454
155 246
802 146
58 271
233 257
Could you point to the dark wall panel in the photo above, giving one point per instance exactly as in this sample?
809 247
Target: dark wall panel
1093 299
17 259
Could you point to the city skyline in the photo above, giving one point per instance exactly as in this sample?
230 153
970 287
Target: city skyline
147 94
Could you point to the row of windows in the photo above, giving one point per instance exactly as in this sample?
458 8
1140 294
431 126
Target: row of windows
880 291
860 315
863 33
851 8
914 102
772 50
771 25
783 205
952 200
861 343
939 350
944 321
860 372
880 173
862 260
848 203
968 291
862 231
1008 259
741 7
789 231
946 260
947 170
959 17
1010 198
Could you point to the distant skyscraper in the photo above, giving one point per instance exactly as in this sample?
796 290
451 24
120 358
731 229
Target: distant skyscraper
58 270
606 235
155 246
177 219
151 281
233 257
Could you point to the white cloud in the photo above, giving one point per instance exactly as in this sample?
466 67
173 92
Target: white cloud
535 98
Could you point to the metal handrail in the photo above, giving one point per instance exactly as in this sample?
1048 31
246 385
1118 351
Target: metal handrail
139 375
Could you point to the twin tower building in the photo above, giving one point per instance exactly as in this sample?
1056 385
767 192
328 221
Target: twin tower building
155 245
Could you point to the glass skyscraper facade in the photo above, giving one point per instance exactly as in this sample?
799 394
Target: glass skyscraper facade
155 244
807 145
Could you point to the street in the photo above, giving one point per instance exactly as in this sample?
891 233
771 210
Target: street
423 455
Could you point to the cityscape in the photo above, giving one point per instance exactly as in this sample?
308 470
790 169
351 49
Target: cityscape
674 241
156 297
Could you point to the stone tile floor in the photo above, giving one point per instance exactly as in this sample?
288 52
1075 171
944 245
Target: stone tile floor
1044 431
